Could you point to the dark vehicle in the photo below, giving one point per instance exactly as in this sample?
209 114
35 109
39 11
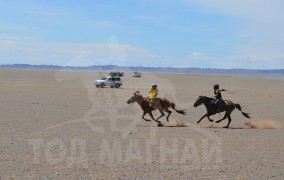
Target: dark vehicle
116 74
137 74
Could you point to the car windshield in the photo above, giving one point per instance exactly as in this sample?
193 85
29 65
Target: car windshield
103 78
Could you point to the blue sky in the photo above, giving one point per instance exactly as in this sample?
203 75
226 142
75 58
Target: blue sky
166 33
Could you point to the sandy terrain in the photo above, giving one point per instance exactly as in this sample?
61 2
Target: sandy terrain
57 125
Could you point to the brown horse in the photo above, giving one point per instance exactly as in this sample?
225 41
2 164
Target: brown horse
162 105
226 105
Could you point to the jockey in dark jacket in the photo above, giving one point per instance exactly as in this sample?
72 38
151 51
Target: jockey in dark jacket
218 95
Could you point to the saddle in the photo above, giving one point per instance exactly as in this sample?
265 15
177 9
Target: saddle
156 102
219 104
217 101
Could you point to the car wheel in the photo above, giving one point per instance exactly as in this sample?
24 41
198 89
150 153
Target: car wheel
117 85
97 86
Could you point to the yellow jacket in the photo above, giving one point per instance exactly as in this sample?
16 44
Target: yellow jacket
217 93
153 94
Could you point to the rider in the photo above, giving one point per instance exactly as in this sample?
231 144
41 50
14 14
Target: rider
218 95
154 92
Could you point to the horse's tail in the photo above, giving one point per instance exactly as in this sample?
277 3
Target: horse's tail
173 105
238 106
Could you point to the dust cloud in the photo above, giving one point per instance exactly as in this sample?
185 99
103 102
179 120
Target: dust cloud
263 124
178 123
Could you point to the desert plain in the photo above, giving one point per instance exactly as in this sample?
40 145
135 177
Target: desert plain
58 125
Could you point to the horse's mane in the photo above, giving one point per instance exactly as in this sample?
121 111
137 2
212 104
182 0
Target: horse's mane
137 93
206 97
212 98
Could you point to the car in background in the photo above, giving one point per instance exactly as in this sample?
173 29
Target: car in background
137 74
109 81
116 74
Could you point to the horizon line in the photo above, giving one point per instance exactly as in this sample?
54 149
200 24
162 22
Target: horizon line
152 67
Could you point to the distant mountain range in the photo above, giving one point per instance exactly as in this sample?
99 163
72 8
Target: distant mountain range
272 73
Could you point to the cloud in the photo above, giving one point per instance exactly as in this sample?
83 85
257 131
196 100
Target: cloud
145 18
184 29
197 54
36 9
18 28
252 10
155 20
201 60
262 30
101 24
30 50
24 50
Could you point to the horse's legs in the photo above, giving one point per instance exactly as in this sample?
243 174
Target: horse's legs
229 121
162 113
168 111
143 117
150 113
225 116
208 116
202 117
159 122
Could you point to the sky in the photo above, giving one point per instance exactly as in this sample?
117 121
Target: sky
225 34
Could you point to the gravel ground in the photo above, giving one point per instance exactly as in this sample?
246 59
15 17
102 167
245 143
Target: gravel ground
58 125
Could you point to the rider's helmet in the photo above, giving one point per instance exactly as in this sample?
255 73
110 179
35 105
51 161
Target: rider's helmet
154 85
216 86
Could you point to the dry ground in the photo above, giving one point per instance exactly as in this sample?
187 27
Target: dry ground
57 125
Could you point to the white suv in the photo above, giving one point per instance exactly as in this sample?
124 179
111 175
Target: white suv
109 81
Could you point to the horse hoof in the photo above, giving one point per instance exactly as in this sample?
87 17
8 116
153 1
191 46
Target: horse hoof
160 125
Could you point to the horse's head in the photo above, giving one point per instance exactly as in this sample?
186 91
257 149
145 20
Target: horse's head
199 101
135 98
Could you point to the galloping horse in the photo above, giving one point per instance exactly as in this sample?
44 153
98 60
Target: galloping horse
226 105
162 105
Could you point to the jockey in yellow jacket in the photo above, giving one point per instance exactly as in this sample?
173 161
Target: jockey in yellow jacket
153 93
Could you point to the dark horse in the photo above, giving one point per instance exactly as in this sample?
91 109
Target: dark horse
227 106
162 105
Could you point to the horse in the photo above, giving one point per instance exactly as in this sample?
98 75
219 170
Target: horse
226 105
162 104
